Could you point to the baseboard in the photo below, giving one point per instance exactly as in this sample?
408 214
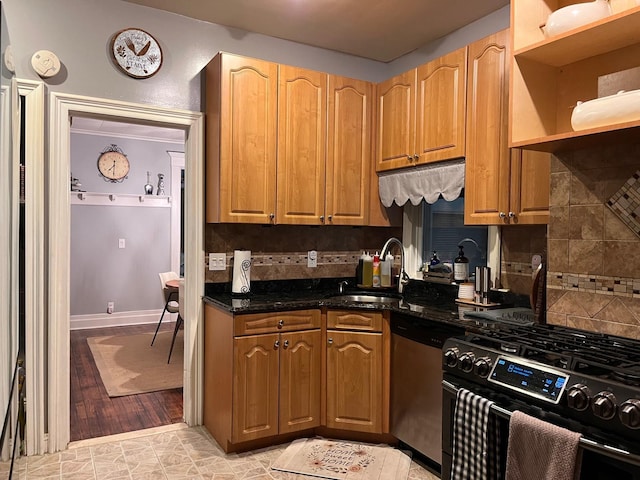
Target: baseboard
118 319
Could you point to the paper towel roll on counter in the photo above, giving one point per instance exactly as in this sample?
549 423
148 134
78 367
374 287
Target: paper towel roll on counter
241 282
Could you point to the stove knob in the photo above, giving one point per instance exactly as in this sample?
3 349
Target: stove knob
578 397
451 357
482 367
604 405
630 413
466 362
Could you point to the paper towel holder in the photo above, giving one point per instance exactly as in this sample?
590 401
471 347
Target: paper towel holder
241 278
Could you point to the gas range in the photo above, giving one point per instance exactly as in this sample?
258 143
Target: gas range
590 379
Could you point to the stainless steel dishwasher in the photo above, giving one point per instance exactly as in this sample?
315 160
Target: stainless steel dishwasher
416 382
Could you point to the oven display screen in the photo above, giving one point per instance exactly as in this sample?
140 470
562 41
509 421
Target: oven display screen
531 379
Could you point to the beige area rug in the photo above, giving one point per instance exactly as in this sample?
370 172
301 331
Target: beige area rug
340 460
128 364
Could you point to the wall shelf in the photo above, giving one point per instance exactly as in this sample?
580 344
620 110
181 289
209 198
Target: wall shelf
119 199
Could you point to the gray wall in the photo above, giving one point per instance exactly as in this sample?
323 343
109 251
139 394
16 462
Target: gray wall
79 31
100 271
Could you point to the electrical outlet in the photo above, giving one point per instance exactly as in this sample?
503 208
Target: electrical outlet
217 261
110 307
121 243
312 259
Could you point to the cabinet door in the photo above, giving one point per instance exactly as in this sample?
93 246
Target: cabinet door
302 138
300 378
396 109
354 381
241 139
255 387
487 158
349 155
440 108
530 176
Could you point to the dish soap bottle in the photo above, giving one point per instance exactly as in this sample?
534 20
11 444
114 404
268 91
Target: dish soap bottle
385 271
460 267
375 271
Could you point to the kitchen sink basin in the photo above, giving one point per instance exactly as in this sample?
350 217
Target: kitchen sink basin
364 298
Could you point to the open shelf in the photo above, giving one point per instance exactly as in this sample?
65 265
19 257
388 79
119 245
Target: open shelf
551 75
612 33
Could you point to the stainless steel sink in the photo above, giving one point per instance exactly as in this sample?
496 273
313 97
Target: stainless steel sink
364 298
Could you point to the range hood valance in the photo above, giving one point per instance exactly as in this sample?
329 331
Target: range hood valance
428 182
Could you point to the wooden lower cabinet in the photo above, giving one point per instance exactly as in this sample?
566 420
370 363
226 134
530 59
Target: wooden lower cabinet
263 385
276 384
264 373
354 381
357 371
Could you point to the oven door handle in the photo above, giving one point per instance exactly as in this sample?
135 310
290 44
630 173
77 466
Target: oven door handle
586 443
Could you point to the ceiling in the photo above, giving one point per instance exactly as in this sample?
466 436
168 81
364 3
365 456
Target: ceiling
381 30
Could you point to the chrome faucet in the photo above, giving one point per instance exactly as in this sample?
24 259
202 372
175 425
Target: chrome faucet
404 278
341 286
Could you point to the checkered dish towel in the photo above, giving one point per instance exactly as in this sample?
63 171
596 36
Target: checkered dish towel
476 439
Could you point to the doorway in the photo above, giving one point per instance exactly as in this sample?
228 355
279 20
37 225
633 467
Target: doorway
62 108
124 232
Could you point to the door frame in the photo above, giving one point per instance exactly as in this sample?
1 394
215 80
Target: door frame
61 108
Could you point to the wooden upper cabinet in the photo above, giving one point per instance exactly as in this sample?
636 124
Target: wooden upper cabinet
396 107
349 151
421 114
530 176
241 103
302 140
440 112
500 185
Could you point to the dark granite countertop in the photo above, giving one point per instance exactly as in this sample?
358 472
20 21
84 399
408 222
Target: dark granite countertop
433 302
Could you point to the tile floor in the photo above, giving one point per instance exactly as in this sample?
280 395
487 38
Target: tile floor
172 452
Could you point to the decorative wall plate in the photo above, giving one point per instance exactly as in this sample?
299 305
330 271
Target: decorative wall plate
136 52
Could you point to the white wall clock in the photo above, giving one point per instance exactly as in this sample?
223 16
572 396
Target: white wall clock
136 52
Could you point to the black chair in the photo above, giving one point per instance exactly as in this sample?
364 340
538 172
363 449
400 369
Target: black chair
171 296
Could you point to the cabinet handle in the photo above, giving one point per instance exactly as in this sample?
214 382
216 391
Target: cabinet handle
280 323
322 218
272 216
511 214
409 158
277 344
330 218
416 157
285 344
330 341
502 215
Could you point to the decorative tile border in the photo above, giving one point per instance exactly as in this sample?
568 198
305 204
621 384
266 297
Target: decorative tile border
600 284
625 203
298 259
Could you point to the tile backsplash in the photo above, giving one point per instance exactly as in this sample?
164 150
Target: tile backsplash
593 281
280 252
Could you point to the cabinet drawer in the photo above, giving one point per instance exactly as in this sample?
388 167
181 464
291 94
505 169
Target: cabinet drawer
354 320
255 323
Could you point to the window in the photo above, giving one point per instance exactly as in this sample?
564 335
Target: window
443 230
440 227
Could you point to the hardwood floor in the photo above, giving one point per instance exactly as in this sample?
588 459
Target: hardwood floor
93 413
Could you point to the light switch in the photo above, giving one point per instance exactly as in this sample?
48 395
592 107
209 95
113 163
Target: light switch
217 261
121 243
